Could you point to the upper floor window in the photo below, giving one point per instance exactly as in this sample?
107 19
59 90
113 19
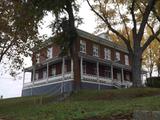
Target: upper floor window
49 53
107 54
117 56
126 60
38 58
95 50
82 46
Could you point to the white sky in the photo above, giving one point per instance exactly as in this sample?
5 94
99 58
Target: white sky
11 87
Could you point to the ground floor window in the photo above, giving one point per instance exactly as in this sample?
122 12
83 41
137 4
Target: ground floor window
44 74
84 67
53 71
36 76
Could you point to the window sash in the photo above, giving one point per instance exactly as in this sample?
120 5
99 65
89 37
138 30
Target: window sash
53 71
126 60
82 46
49 53
38 58
117 57
107 53
44 74
95 51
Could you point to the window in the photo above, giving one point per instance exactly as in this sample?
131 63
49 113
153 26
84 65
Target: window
107 54
82 46
117 57
126 60
44 74
127 77
84 67
65 68
53 71
36 76
107 73
95 50
38 58
49 53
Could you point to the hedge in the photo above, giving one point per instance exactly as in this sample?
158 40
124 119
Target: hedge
153 82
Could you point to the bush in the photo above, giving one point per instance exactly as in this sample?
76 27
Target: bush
153 82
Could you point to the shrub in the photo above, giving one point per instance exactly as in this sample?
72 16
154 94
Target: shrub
153 82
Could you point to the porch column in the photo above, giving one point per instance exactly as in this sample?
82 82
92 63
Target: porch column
72 69
81 68
33 77
47 71
62 84
98 75
122 72
23 77
112 73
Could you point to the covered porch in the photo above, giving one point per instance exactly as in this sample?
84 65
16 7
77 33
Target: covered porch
100 72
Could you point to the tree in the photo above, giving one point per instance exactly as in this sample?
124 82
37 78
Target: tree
133 14
16 34
151 57
151 54
63 26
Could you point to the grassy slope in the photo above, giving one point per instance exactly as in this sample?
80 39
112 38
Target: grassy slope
81 105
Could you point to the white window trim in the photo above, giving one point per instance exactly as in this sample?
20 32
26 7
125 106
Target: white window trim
95 50
36 76
49 53
44 74
107 54
126 59
84 68
83 45
53 71
38 58
117 56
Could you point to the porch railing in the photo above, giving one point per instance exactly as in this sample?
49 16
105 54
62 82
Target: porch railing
50 79
106 80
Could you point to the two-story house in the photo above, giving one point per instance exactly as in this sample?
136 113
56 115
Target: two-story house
103 64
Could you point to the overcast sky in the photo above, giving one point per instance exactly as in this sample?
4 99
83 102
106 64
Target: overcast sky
12 87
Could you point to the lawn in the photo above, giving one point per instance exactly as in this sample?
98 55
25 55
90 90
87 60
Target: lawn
82 105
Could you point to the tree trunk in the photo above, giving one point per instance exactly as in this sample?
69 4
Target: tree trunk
136 69
74 46
76 66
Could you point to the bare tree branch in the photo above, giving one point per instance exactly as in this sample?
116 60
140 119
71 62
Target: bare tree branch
150 39
133 18
127 42
146 14
124 23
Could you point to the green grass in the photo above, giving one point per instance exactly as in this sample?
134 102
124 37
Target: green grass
81 105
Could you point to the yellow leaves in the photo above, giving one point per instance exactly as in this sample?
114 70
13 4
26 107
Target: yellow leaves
158 7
